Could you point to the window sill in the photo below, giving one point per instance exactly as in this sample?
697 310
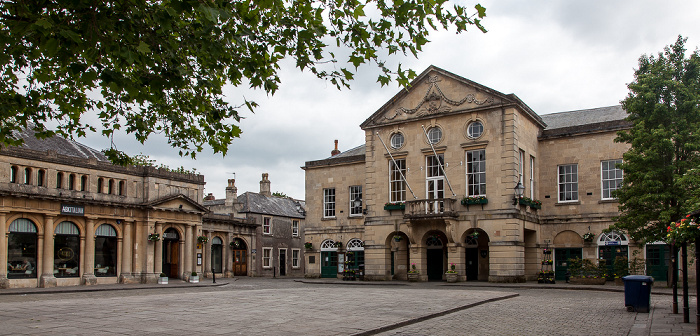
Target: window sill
328 218
612 200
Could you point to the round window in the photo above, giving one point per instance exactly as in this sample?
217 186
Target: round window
396 140
475 129
434 135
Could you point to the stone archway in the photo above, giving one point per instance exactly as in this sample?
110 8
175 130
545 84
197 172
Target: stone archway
435 243
397 255
476 249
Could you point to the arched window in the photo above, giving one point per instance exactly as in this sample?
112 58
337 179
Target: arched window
216 255
355 255
41 177
59 180
71 182
611 246
110 186
100 185
328 245
27 175
121 188
105 251
83 183
21 249
66 250
13 174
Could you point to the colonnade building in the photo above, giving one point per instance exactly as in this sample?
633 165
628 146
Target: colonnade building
456 174
70 217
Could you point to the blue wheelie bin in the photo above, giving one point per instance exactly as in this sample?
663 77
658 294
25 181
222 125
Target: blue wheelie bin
638 292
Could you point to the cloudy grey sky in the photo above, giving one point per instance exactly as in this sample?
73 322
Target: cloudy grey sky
555 55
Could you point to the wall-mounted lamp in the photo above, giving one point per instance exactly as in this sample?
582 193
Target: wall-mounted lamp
357 203
519 188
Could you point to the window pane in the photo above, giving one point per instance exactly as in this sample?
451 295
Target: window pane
21 254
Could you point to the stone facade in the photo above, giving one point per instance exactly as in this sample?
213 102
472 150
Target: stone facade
488 142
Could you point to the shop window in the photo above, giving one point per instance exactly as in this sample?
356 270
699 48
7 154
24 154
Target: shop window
22 249
217 255
105 251
66 251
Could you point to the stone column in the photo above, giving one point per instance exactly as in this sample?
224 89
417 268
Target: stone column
4 282
89 256
189 250
47 277
140 246
228 258
158 258
206 249
127 246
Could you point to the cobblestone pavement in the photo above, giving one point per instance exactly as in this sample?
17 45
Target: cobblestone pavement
285 307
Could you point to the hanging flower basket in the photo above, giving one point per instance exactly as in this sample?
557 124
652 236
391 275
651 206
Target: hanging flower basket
588 237
395 206
475 200
154 237
202 239
308 245
236 243
397 238
338 244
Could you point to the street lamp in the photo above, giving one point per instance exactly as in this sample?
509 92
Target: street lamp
519 188
357 203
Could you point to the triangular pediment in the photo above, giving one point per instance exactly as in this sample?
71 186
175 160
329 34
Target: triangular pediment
436 92
177 202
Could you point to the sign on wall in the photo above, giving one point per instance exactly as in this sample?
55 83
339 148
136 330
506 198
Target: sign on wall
73 210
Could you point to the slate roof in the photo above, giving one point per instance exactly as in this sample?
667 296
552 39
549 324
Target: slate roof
593 120
270 205
214 202
58 144
352 155
584 117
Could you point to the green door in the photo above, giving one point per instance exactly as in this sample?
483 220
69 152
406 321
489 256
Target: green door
329 264
561 261
657 261
609 253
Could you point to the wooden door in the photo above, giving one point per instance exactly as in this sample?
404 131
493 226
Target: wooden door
240 263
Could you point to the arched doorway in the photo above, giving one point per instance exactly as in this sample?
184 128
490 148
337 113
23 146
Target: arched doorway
476 249
171 252
435 255
240 257
329 259
216 255
567 245
612 245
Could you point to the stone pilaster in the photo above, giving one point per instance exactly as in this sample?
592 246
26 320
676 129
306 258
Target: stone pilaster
189 252
206 249
88 277
158 257
126 275
456 256
47 278
4 282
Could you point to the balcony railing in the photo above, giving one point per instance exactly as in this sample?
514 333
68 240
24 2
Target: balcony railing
431 208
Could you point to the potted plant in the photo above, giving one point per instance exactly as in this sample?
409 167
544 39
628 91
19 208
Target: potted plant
163 279
413 273
194 278
588 237
394 206
154 237
308 245
451 274
397 238
202 239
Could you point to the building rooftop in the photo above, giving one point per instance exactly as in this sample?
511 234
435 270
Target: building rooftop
584 117
58 144
271 205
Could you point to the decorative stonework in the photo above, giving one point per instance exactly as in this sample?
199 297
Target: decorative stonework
435 102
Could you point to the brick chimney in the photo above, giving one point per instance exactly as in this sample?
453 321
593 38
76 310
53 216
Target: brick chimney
265 185
209 197
231 193
335 151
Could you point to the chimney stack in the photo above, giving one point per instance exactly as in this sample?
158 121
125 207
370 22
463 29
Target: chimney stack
231 193
265 185
335 151
209 197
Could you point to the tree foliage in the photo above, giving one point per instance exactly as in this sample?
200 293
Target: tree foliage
664 107
147 66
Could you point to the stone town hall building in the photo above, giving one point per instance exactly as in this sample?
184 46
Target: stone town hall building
434 185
